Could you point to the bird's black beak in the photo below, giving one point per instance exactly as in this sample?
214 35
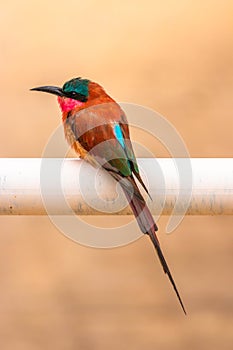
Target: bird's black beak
50 89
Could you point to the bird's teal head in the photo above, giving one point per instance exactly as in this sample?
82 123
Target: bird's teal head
77 89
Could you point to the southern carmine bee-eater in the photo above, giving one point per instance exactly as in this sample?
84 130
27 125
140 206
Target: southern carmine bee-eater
96 128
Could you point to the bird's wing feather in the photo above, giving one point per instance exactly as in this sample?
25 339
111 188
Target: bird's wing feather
101 130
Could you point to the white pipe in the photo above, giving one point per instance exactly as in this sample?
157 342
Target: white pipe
204 187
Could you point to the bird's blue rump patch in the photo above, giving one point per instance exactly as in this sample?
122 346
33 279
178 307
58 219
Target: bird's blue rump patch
119 135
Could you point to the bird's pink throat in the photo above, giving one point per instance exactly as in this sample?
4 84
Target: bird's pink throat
67 104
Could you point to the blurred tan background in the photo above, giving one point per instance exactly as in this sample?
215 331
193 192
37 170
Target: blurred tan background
174 57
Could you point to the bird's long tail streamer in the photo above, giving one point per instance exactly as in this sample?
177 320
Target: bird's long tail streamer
148 226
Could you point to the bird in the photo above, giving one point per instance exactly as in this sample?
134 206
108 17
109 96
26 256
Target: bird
96 127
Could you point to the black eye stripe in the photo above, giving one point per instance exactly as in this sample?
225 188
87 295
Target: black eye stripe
76 96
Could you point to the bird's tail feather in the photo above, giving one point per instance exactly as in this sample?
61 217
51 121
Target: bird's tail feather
147 225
